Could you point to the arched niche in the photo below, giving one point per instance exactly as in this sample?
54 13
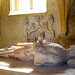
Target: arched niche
71 21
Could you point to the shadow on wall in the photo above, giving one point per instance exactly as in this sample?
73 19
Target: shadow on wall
65 41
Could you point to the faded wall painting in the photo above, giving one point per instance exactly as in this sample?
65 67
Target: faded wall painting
34 25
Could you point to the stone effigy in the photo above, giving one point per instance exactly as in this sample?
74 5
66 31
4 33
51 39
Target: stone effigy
24 53
71 60
72 51
42 53
50 54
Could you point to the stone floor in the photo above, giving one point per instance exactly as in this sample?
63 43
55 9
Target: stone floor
17 67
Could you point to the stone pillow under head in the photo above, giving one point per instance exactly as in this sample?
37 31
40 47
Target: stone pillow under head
71 62
51 55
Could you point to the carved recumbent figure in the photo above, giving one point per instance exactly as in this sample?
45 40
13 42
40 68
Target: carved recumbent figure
42 53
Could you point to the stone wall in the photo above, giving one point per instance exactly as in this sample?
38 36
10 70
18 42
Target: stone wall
34 25
68 40
71 21
16 28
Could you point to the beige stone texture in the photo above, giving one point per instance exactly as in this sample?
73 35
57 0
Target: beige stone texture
12 27
50 53
69 39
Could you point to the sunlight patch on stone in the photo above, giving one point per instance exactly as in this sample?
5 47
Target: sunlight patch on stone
6 66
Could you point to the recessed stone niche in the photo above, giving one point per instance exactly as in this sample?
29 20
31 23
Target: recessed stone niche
67 41
71 21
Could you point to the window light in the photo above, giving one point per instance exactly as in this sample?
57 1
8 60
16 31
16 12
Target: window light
27 6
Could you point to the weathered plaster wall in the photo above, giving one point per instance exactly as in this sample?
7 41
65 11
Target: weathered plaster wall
68 40
63 8
0 17
11 31
12 27
71 21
